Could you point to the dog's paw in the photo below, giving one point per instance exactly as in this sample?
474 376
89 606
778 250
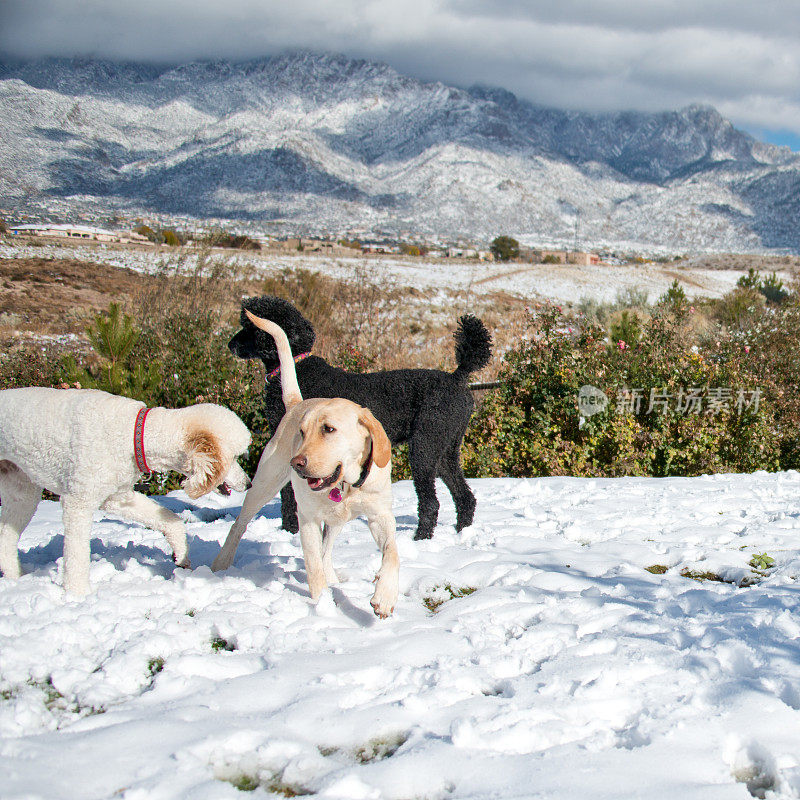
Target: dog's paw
420 535
183 562
385 597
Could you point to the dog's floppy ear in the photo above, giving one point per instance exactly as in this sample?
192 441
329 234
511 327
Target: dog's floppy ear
206 463
381 446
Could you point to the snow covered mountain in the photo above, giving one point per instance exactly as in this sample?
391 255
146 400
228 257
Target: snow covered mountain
325 143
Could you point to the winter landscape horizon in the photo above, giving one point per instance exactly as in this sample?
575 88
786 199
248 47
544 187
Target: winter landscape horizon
608 188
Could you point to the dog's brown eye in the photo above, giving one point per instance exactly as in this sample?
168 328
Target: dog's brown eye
327 429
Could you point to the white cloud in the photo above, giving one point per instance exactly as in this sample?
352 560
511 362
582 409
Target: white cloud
742 57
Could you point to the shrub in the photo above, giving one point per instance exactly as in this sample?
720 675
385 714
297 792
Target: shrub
626 329
749 281
171 238
551 259
531 424
32 365
674 298
3 226
632 297
146 230
113 336
222 238
771 287
739 308
504 248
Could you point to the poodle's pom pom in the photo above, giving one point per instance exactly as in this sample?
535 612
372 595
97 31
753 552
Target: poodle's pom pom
473 345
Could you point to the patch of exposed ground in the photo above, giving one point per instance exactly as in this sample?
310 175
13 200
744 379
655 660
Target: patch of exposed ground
39 295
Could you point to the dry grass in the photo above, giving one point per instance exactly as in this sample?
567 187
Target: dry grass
57 296
763 263
391 326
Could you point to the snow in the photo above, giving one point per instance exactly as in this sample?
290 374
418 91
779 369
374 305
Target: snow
570 671
559 282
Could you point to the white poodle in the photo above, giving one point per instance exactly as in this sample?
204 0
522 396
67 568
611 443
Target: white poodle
91 447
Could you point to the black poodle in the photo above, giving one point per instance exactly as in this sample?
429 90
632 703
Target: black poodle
428 408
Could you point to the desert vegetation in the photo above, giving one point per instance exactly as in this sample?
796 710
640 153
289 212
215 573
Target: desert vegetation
692 387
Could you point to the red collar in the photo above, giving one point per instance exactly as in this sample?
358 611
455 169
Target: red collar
277 370
138 441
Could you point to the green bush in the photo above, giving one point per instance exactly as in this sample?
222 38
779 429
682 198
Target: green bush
113 336
771 287
741 308
626 330
531 425
32 366
749 281
171 350
675 298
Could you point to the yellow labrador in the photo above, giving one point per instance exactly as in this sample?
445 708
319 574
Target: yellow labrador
339 460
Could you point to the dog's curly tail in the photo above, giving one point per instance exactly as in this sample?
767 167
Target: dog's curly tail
473 346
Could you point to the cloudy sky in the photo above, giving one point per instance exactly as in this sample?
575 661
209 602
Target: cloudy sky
742 57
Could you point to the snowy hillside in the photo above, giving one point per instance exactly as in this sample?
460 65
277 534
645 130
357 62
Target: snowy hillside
569 672
324 143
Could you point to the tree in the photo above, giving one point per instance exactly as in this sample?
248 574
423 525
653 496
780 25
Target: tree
113 336
504 248
772 288
750 281
171 238
147 231
674 298
3 227
222 238
626 328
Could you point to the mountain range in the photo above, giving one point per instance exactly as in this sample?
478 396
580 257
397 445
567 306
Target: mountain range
323 143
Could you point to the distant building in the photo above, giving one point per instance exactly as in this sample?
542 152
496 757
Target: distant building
561 257
583 259
380 247
74 232
461 252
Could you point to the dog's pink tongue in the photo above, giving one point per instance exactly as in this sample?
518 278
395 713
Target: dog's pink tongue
314 482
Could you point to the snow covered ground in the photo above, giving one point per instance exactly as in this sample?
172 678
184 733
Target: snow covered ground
558 282
569 672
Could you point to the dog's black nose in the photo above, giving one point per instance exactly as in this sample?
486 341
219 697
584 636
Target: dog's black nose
299 462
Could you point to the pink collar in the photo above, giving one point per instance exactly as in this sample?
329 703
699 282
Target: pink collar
277 370
138 441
